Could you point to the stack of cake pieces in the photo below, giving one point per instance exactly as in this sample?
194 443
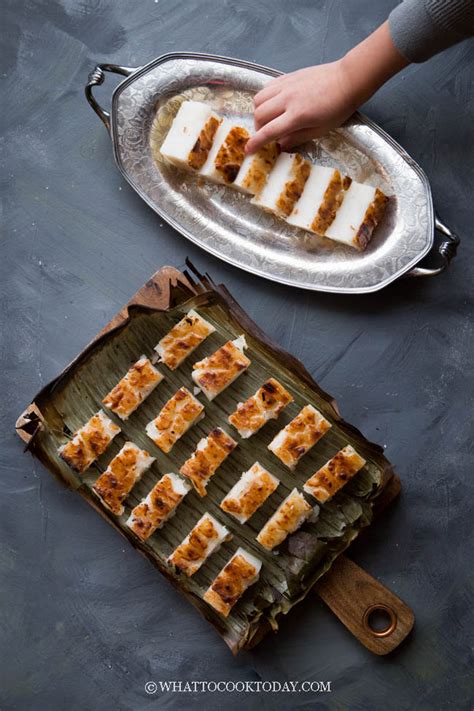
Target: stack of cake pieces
313 197
252 490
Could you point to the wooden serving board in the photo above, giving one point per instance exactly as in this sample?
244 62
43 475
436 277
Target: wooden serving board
350 592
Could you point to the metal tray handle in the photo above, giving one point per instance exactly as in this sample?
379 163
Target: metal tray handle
447 250
95 78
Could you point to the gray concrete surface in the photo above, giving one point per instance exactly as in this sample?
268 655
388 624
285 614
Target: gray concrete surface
84 620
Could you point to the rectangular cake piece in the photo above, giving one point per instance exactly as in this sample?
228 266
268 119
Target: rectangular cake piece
334 474
190 138
249 493
322 195
255 169
133 389
266 404
180 412
159 506
123 472
209 454
284 185
183 339
361 211
227 153
299 435
288 517
242 571
205 538
216 372
89 442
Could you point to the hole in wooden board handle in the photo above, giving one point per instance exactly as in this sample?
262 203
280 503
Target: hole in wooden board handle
353 595
392 620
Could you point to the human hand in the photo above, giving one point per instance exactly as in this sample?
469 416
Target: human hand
302 105
308 103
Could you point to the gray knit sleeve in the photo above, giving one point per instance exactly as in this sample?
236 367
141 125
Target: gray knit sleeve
422 28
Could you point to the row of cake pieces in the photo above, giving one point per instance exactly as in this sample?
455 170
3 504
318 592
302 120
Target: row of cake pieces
247 495
315 198
212 375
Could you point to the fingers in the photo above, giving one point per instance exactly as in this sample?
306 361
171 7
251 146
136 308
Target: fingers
298 137
268 111
268 92
272 88
270 132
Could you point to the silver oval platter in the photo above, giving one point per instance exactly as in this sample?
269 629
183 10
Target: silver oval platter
224 222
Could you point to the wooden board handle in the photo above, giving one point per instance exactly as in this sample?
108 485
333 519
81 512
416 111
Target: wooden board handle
354 595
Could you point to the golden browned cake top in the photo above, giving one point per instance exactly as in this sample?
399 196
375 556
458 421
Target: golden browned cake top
220 368
193 550
231 583
199 152
299 435
142 374
114 485
253 495
89 443
207 457
267 403
331 202
335 474
183 338
174 419
262 163
231 154
286 519
149 515
372 217
131 389
293 189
